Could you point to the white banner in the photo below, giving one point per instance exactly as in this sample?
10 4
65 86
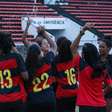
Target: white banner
48 23
50 2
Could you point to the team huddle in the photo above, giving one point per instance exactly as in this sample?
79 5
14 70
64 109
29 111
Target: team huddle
54 77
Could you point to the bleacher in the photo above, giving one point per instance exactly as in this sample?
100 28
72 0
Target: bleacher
11 12
94 11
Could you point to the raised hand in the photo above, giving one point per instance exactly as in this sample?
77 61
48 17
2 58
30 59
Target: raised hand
29 21
88 26
41 29
27 25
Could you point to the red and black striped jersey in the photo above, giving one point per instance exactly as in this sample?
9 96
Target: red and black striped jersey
11 83
66 74
41 86
42 79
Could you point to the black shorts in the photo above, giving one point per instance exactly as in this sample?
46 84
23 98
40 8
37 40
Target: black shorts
17 106
91 109
38 107
66 104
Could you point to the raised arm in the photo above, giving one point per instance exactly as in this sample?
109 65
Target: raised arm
49 37
76 42
50 40
24 36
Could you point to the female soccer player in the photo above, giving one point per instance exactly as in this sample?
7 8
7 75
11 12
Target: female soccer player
41 96
12 74
44 39
66 71
92 75
104 49
66 77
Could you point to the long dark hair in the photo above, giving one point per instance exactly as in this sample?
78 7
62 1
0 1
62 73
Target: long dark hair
5 42
64 50
33 59
92 58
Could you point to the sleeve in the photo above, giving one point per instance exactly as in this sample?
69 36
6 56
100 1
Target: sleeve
50 36
108 78
109 69
54 75
109 65
21 63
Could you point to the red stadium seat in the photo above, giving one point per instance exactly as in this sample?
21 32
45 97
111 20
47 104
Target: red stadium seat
94 11
12 11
